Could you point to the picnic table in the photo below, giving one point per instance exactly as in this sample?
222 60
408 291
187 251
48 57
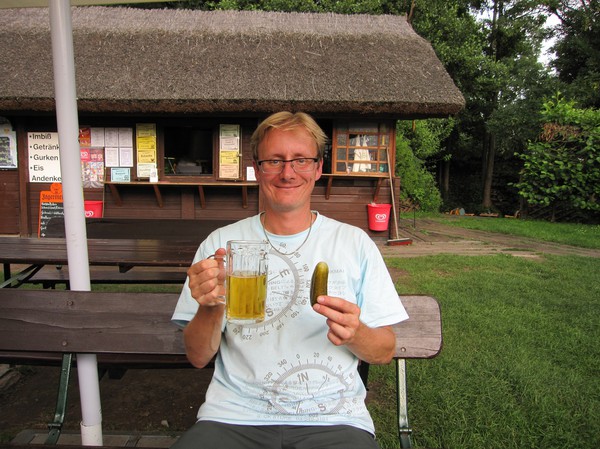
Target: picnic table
121 253
118 242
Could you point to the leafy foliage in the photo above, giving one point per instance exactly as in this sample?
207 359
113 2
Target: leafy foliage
563 165
414 143
490 48
340 7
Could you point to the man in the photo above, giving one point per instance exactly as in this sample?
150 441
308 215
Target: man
290 381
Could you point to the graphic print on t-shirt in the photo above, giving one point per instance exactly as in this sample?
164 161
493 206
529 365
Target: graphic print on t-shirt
286 295
310 387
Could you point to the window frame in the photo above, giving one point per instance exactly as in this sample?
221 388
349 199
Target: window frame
349 136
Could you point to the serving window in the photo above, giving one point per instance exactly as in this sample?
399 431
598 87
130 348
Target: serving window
361 148
188 150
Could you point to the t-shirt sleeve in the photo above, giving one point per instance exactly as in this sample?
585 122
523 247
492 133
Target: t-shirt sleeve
186 305
377 297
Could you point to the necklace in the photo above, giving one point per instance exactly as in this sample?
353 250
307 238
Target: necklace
301 244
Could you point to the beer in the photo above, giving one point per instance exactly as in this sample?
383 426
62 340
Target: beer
246 281
246 296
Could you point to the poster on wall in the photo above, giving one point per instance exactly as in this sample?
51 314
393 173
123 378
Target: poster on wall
229 152
145 140
117 151
126 157
44 157
8 149
120 174
111 157
92 167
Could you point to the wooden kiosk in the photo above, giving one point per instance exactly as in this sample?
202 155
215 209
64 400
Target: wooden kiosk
168 101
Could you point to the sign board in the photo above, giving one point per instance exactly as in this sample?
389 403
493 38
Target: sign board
229 152
44 157
145 140
8 148
51 205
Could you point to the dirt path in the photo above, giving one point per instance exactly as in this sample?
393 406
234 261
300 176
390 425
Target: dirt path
430 237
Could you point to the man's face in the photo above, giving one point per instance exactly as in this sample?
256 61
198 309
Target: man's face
288 190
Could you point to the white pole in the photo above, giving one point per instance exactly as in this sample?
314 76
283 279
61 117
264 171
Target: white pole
75 232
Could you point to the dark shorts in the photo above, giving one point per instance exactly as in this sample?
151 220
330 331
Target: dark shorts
216 435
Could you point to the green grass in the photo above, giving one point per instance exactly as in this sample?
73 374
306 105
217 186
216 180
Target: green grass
520 363
585 236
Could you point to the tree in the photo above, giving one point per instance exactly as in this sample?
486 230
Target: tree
563 166
458 41
515 34
336 6
577 48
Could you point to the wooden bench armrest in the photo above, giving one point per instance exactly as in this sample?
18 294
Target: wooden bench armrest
416 338
419 337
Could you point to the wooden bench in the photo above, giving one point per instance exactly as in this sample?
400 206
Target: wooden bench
43 326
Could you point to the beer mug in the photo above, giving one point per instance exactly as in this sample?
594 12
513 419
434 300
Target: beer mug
246 281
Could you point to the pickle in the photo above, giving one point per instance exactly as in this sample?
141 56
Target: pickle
318 283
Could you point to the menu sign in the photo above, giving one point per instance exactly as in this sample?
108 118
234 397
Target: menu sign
51 205
44 157
145 135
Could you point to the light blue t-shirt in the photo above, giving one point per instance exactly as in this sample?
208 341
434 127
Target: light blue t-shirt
284 370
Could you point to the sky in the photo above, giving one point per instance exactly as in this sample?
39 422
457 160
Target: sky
546 55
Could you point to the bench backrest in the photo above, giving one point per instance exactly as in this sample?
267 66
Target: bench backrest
58 321
88 322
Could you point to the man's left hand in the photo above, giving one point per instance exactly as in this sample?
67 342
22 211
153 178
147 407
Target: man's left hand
342 318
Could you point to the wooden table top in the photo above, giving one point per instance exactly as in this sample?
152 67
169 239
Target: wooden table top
116 252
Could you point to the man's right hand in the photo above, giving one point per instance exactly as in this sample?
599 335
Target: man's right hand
207 280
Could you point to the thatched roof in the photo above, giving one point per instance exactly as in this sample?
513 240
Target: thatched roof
182 61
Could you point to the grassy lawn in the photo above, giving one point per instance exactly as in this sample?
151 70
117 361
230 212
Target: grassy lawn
585 236
520 363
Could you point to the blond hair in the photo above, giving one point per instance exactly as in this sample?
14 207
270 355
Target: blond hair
287 121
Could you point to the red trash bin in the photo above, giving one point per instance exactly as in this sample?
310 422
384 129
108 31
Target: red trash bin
93 209
379 216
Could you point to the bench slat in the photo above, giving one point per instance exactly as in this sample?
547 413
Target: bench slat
145 361
94 322
139 323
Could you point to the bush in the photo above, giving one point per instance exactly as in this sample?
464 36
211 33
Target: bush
563 165
415 142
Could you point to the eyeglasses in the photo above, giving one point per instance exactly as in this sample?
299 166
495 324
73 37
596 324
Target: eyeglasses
300 164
